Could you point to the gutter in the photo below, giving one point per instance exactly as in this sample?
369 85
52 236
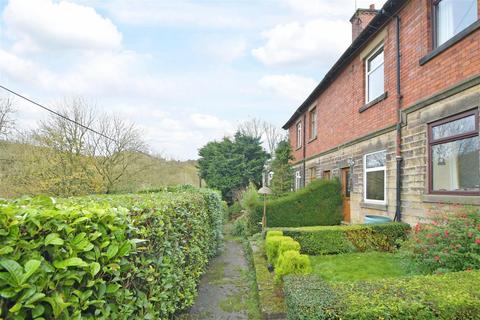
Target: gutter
398 151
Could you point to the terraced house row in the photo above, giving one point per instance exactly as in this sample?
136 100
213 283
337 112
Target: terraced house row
397 116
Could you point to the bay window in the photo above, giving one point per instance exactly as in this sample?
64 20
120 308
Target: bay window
375 177
451 17
454 148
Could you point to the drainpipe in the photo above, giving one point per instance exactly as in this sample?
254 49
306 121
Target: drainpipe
398 154
304 144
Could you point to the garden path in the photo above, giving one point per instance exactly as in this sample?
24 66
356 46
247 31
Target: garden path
225 290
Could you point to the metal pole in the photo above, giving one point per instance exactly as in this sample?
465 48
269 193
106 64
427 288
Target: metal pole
264 218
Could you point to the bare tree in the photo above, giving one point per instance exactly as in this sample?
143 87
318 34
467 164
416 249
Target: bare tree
253 128
117 149
262 129
272 136
6 111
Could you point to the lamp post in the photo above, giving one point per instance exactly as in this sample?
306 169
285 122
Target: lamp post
264 191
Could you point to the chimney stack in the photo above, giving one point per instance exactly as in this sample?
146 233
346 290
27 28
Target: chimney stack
360 19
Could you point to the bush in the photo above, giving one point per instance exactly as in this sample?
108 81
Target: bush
234 210
449 296
239 228
450 243
287 246
274 233
272 244
108 257
292 262
344 239
317 204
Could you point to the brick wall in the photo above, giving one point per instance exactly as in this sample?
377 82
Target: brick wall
339 119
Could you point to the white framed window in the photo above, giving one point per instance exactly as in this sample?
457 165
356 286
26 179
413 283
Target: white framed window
299 134
375 76
451 17
313 123
298 180
375 177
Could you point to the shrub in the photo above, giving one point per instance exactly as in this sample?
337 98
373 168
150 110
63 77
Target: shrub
448 296
108 257
272 244
344 239
292 262
250 198
317 204
450 243
239 228
287 246
274 233
234 210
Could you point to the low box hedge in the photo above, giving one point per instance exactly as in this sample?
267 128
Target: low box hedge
344 239
106 257
319 203
452 296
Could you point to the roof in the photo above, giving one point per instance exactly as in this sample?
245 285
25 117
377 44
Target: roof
384 15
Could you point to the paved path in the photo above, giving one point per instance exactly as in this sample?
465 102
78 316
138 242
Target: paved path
225 290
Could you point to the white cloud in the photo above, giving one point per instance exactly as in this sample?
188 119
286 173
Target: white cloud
317 40
227 50
179 13
289 86
36 24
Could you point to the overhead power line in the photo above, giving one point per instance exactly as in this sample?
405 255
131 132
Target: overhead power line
56 113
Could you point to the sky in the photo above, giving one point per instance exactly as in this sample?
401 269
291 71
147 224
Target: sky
186 72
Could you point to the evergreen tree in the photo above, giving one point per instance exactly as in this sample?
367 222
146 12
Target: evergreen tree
282 180
229 165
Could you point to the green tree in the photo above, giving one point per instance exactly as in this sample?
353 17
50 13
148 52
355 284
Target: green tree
229 165
282 179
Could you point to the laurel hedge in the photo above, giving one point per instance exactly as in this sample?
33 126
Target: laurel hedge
318 204
451 296
106 257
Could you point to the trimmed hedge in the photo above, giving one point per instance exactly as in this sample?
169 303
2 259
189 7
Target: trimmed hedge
106 257
344 239
452 296
318 204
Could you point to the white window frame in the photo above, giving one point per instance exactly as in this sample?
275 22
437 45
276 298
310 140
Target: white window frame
365 170
298 180
298 128
313 123
367 73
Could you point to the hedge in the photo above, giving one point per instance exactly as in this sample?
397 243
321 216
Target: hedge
448 296
318 204
344 239
106 257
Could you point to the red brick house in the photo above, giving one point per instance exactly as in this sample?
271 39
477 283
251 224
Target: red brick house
397 117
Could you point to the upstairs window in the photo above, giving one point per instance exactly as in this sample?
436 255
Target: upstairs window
313 123
299 134
454 146
375 177
375 75
451 17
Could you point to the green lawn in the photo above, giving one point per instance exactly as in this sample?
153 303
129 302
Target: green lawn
357 266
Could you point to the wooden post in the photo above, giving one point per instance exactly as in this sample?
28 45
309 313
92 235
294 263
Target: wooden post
264 218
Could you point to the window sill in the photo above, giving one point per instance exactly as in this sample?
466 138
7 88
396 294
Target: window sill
451 42
375 206
454 199
312 139
298 148
382 97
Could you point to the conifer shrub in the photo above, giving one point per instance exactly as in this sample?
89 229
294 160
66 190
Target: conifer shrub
318 204
292 262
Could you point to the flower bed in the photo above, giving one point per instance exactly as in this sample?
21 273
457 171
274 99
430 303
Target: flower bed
106 257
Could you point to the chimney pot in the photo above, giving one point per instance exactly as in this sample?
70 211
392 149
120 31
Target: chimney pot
372 6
